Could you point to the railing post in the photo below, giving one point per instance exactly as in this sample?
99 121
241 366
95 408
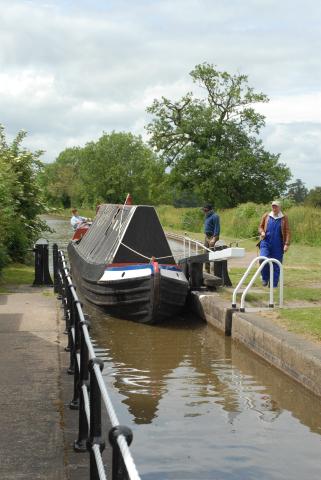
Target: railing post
95 437
60 275
55 267
271 301
119 471
70 322
74 367
80 445
64 297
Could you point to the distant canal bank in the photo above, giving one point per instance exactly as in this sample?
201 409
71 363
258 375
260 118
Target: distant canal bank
202 406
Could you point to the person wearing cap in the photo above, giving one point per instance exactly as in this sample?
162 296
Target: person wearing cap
274 233
211 229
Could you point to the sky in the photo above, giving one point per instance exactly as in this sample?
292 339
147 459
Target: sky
72 70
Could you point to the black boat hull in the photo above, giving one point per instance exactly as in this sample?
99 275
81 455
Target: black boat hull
146 299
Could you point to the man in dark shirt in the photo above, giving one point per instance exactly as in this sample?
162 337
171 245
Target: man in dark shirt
211 229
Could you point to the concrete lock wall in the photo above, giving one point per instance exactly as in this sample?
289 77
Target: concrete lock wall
295 356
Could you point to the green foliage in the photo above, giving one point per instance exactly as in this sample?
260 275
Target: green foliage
297 191
170 217
305 225
185 198
20 196
211 143
104 172
305 321
3 256
60 180
17 274
313 198
117 164
181 219
242 222
193 220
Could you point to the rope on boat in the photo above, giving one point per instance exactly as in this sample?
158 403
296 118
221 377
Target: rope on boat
144 256
131 249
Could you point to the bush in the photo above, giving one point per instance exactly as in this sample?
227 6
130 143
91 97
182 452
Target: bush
242 221
305 225
192 220
20 196
18 243
3 257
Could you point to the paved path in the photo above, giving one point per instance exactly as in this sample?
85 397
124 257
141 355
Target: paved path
37 426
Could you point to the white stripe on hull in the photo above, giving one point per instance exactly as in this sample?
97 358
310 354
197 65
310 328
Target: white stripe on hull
112 275
174 274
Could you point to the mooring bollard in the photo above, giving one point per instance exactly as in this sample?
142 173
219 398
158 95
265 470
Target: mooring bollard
42 275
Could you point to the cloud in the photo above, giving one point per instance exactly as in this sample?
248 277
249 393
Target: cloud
71 70
300 148
293 108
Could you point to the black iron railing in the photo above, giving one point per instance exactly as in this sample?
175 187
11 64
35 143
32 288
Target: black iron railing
89 387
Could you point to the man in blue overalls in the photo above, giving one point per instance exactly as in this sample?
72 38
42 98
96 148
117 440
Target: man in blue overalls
275 240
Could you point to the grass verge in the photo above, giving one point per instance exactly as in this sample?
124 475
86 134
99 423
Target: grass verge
16 274
305 322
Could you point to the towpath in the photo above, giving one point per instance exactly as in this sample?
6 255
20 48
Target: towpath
37 426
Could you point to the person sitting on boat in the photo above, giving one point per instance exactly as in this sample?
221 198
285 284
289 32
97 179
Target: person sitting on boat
76 219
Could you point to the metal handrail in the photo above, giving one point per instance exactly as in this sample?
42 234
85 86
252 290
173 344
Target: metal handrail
265 261
77 326
191 242
188 242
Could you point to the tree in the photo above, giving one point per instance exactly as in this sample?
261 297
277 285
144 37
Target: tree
119 163
297 191
20 197
105 171
313 198
6 208
59 179
211 143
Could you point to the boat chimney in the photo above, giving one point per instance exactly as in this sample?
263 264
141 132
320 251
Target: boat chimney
129 199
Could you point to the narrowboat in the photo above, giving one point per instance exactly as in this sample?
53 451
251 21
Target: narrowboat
124 264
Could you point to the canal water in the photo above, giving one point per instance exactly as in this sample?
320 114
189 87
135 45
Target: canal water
202 406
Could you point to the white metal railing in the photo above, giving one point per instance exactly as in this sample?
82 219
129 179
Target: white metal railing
265 261
190 246
193 247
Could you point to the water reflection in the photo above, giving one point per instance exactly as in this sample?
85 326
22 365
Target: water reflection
283 394
184 385
209 366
